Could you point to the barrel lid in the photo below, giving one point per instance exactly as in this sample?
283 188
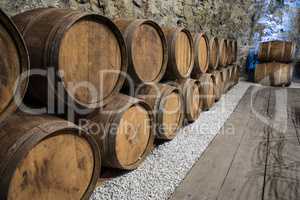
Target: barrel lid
48 146
133 135
184 52
44 172
171 114
202 52
14 66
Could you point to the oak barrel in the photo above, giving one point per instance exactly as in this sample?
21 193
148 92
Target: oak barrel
279 51
14 62
281 74
207 91
84 54
227 79
168 108
201 47
224 78
228 82
236 74
124 131
262 73
235 48
216 78
213 53
230 76
45 157
233 75
232 42
147 49
223 53
190 89
181 53
229 51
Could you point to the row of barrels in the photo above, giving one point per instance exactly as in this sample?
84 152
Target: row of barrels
223 52
56 146
275 66
88 46
225 79
60 47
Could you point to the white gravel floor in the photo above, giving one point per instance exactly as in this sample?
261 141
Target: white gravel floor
163 170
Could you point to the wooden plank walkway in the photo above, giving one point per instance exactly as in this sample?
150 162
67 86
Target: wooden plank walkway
256 155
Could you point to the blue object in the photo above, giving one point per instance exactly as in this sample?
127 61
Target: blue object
252 61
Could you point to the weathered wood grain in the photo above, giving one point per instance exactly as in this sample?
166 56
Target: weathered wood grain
261 160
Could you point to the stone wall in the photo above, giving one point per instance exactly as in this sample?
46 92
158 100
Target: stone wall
249 20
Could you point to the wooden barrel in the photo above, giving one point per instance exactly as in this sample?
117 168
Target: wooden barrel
207 91
125 132
229 44
14 61
262 73
201 47
213 53
224 78
232 42
223 53
168 108
235 49
44 157
181 53
281 74
190 90
217 80
147 49
279 51
232 77
229 77
84 54
236 74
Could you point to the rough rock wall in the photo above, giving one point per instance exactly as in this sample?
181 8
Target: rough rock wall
248 20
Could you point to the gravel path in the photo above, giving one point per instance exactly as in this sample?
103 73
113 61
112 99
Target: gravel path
163 170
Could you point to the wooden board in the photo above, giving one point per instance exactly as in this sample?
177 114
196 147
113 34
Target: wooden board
205 179
147 52
90 52
245 178
133 135
256 154
183 53
283 164
60 167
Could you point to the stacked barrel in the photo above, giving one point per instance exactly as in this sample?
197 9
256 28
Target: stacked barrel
276 63
223 68
124 82
41 157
